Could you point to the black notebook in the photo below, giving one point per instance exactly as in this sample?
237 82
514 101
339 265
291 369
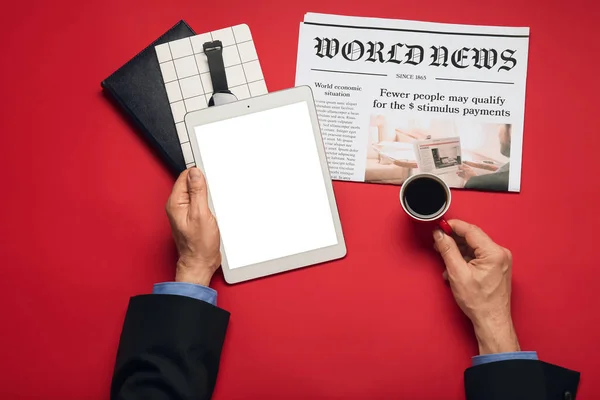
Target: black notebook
138 89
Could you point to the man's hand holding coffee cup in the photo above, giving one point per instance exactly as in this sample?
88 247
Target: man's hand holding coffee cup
479 272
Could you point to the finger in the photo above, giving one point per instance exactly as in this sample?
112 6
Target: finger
179 194
196 187
473 235
446 246
445 274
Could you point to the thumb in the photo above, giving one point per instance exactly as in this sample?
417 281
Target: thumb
196 185
446 246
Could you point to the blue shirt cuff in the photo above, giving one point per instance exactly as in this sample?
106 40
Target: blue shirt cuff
197 292
517 355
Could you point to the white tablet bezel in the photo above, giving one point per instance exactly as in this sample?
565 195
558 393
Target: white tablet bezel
249 106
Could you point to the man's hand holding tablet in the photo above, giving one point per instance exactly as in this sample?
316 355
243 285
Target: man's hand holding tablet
194 228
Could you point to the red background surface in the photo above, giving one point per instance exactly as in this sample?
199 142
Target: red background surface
82 224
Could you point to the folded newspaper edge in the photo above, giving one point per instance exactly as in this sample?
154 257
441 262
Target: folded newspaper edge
408 24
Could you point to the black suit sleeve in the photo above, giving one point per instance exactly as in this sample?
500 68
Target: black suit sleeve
170 349
520 380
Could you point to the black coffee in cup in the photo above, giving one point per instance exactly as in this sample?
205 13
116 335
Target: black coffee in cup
425 197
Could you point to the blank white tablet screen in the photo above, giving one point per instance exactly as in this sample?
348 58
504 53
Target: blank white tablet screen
266 184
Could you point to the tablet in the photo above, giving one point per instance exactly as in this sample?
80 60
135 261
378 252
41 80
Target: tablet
268 183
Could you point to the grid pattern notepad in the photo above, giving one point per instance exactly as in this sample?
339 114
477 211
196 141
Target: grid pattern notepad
187 80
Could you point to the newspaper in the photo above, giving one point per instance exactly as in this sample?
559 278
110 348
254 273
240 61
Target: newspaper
397 97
